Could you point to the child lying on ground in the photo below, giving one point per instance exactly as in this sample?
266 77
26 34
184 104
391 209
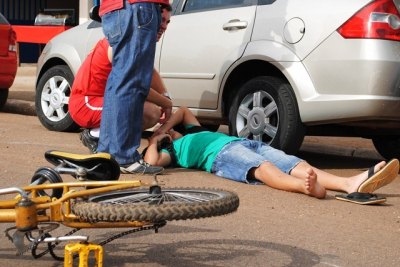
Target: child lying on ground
249 161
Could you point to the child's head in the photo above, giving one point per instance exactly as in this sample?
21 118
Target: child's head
174 134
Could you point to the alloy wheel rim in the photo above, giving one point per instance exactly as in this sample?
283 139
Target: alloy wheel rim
258 117
54 99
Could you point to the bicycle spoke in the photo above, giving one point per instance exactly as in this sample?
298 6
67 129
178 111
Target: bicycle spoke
177 196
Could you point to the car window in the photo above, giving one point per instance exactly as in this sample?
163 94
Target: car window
202 5
173 4
3 20
265 2
94 24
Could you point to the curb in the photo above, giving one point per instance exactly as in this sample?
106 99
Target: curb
363 153
20 107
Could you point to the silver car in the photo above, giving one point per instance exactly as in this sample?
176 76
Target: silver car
273 70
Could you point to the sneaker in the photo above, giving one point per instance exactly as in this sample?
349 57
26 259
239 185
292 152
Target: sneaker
89 141
141 167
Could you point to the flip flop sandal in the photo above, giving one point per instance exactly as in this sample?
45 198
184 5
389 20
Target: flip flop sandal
380 178
361 198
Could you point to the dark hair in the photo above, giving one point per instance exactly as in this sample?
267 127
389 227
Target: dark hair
166 7
165 143
144 151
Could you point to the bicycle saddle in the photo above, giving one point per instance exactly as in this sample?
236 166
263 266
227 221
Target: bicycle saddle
98 167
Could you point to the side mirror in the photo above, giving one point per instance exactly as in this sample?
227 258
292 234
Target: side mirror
94 13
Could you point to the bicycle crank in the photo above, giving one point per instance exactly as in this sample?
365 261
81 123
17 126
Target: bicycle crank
17 237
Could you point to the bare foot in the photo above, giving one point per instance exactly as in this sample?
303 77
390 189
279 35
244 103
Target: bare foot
355 181
312 186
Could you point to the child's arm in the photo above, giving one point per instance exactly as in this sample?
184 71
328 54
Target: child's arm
155 157
181 115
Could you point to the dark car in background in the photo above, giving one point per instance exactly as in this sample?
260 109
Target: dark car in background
8 58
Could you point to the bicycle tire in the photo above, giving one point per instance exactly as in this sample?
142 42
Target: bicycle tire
140 205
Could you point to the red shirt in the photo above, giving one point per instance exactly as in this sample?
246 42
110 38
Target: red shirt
86 100
111 5
92 76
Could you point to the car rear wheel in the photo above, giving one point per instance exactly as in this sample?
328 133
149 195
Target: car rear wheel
265 109
52 96
387 146
3 97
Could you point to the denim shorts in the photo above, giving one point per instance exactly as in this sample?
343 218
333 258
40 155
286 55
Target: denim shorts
238 157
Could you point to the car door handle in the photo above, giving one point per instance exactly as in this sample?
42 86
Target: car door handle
234 24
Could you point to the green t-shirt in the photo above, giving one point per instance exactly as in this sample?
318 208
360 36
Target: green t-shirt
198 150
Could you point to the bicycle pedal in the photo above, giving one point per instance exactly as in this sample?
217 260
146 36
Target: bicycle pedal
83 250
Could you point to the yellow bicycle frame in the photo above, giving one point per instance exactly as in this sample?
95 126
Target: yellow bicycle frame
59 210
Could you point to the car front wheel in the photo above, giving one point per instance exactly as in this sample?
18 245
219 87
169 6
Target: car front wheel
387 146
52 96
265 109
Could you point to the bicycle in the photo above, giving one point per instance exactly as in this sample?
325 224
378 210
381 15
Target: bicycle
48 202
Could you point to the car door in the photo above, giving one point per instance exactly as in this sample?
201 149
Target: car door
203 39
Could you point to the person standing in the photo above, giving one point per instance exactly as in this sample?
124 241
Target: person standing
86 100
131 28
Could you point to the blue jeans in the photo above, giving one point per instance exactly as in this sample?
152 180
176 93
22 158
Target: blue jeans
132 34
237 158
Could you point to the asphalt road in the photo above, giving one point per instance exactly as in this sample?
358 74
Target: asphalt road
270 228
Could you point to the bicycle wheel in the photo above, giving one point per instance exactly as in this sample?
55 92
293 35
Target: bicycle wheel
168 204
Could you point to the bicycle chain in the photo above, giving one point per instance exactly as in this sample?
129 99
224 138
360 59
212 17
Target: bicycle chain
50 247
36 240
155 226
34 244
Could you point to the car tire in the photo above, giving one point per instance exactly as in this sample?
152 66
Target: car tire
387 146
3 97
51 100
265 109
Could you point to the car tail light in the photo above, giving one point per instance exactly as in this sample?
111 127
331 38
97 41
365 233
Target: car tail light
13 39
378 20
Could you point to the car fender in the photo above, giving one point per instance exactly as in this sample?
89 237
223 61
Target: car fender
286 61
58 57
66 43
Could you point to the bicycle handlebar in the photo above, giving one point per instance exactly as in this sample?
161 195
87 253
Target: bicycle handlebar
14 190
